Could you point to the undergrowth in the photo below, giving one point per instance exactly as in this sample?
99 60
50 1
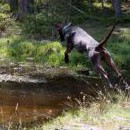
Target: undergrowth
17 44
20 49
109 111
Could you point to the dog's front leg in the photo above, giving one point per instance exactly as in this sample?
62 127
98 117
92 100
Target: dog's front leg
66 59
66 54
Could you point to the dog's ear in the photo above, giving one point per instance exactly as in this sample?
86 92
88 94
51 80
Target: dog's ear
58 26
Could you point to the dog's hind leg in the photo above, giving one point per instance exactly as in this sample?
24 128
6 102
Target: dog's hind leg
95 59
108 60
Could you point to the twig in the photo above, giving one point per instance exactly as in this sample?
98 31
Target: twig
79 10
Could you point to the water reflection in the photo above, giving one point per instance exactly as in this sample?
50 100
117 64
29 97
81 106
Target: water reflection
27 106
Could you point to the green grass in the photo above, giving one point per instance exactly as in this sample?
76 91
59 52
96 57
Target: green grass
104 113
18 49
120 48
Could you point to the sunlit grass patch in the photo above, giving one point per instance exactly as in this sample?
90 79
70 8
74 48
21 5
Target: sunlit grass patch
51 53
19 49
3 47
121 52
120 46
79 59
99 5
104 113
126 33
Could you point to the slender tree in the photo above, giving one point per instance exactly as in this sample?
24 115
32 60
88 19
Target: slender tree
26 6
21 7
117 8
13 5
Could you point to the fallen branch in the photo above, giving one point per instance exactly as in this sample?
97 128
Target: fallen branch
79 10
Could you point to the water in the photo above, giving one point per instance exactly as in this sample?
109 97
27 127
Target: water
27 106
25 102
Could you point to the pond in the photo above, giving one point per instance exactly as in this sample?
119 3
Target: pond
31 97
33 101
29 105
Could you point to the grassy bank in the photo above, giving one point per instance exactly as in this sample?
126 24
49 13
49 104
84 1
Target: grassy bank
106 113
18 48
18 40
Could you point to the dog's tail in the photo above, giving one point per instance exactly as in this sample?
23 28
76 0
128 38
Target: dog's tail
103 42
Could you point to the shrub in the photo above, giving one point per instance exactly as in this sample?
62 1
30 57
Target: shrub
20 50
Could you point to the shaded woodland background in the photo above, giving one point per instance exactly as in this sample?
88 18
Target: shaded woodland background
44 13
40 15
29 24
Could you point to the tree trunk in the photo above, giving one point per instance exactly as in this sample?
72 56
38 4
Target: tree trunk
13 5
103 7
90 5
25 7
117 8
30 6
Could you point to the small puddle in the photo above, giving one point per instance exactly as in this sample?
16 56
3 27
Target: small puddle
25 102
29 105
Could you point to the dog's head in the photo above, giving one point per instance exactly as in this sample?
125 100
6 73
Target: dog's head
61 28
58 26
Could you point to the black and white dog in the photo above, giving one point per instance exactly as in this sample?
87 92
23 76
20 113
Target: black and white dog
76 37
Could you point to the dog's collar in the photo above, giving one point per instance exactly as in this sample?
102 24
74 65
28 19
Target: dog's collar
65 28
